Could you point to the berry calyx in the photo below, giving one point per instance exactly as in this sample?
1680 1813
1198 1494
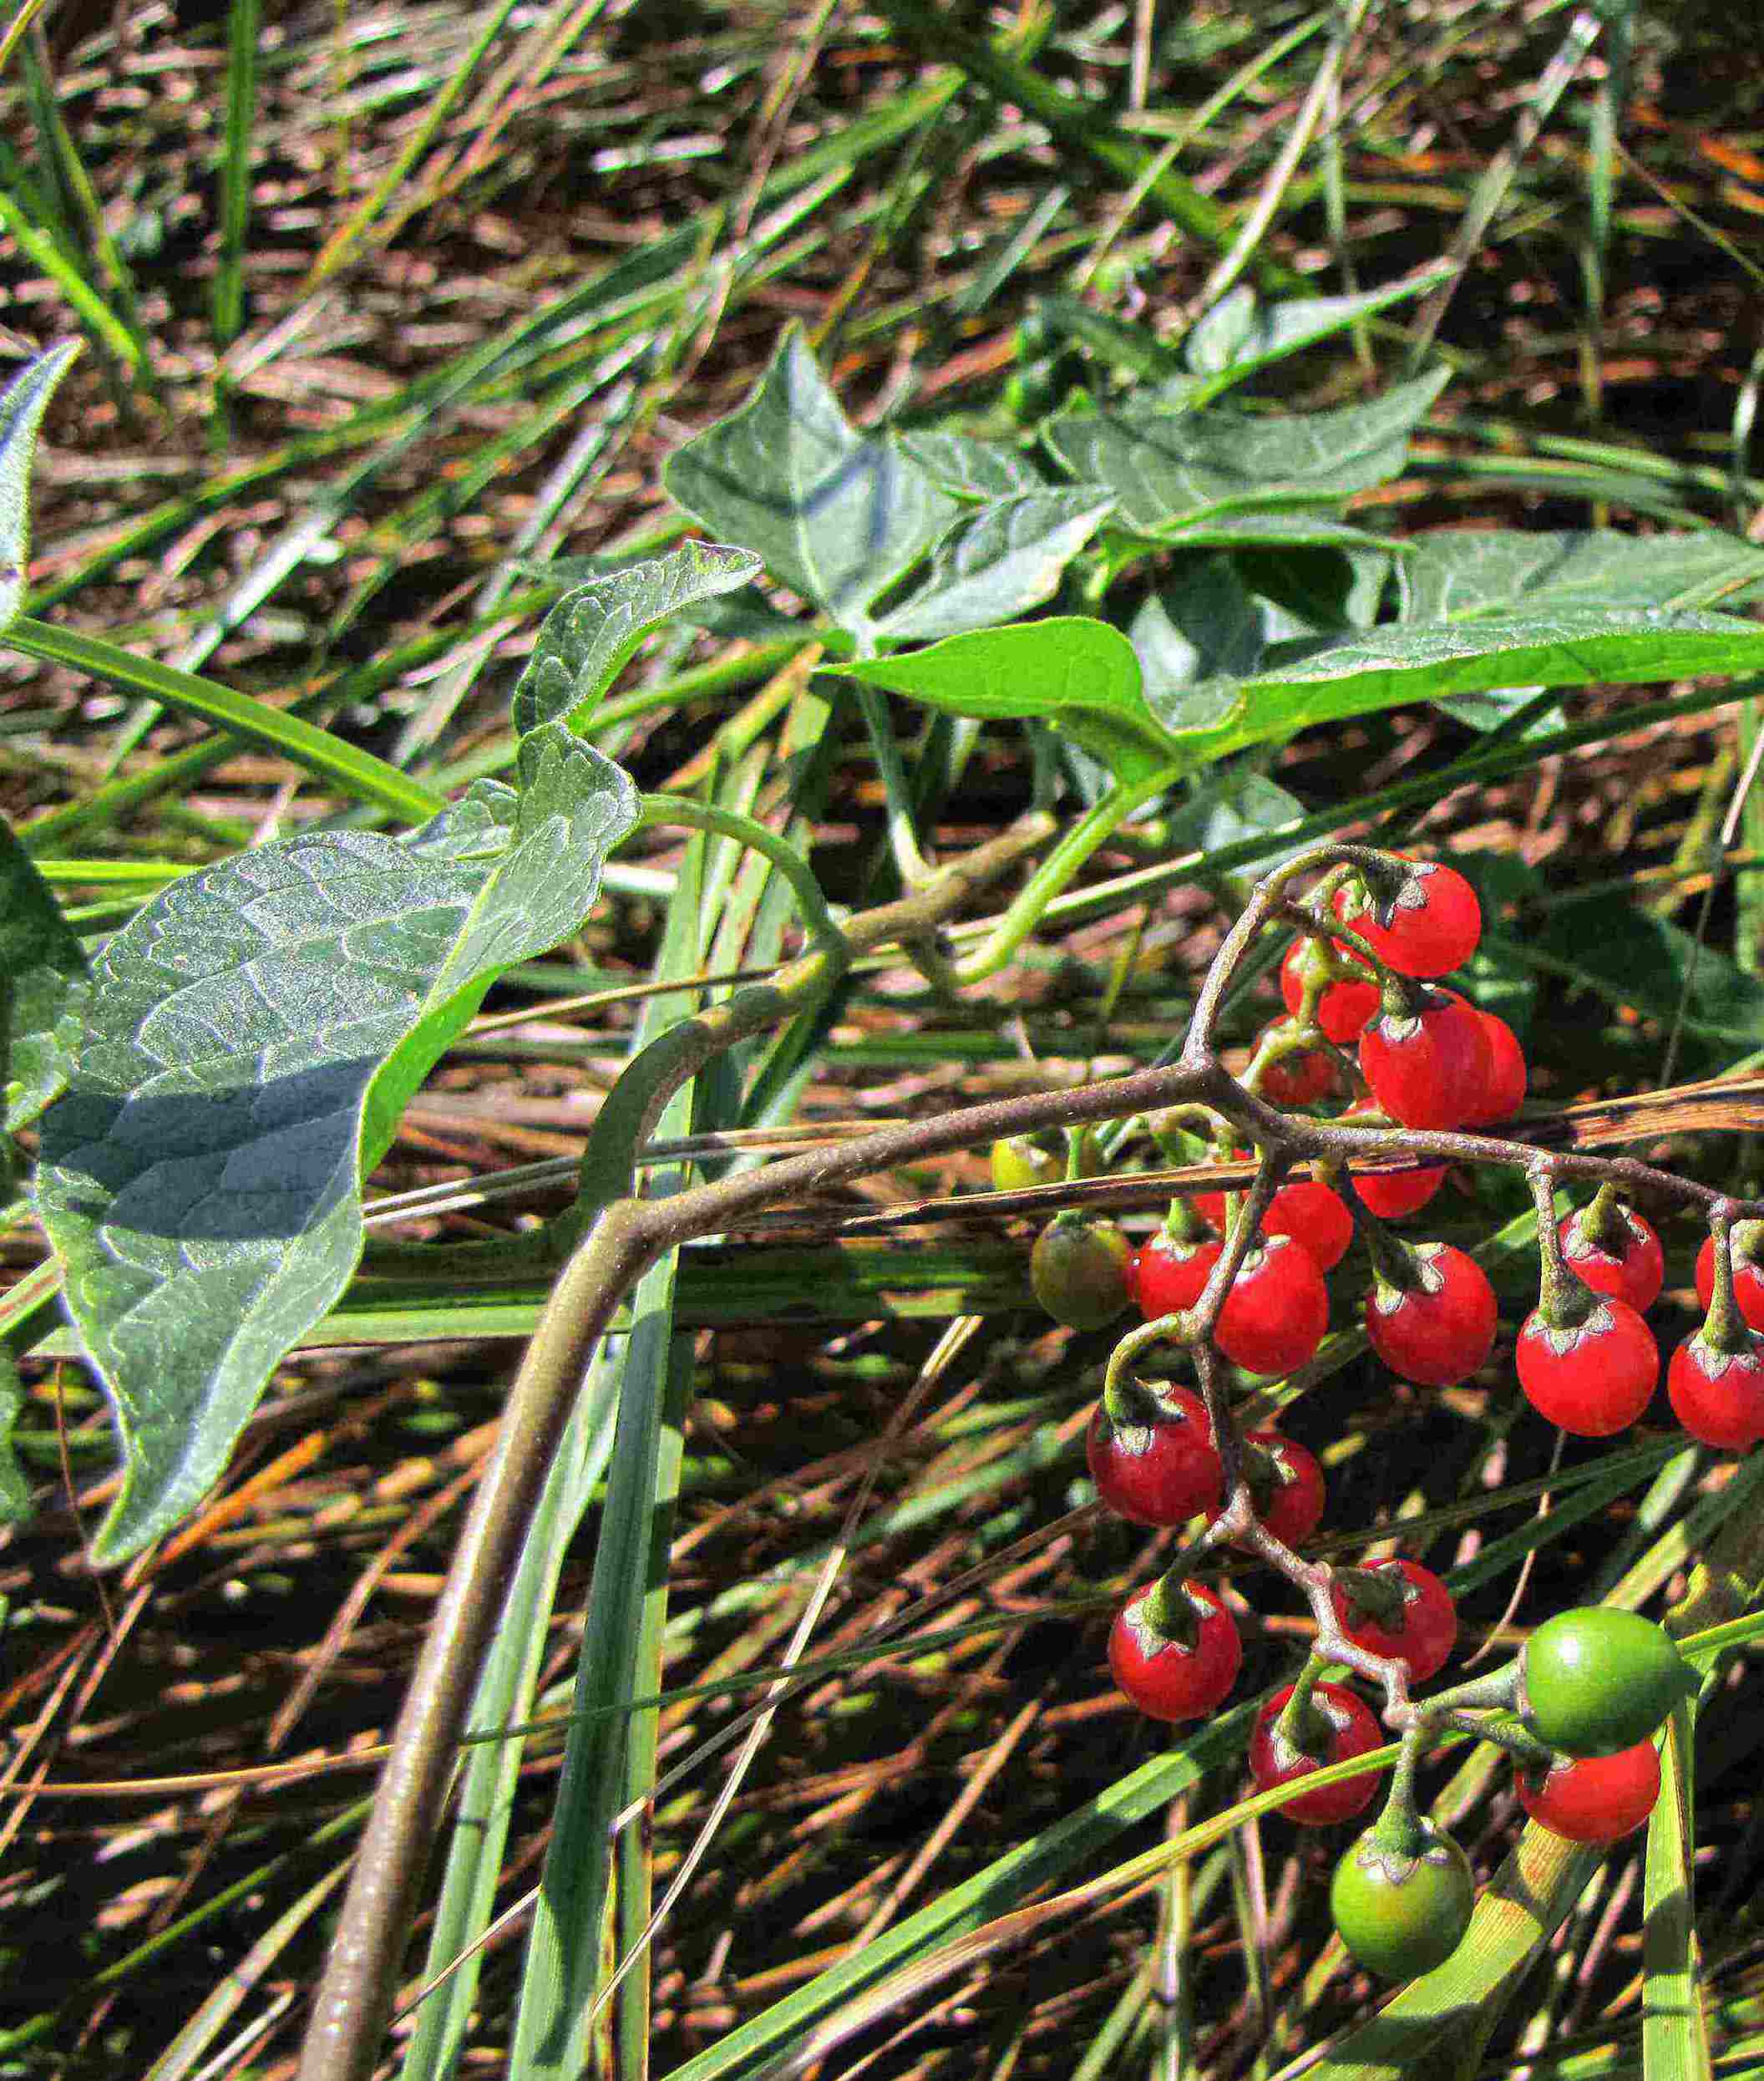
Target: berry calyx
1423 919
1718 1396
1396 1608
1286 1485
1167 1676
1336 1726
1613 1249
1277 1310
1426 1058
1343 1008
1748 1271
1593 1799
1504 1092
1151 1455
1434 1323
1401 1912
1593 1377
1594 1680
1169 1273
1079 1269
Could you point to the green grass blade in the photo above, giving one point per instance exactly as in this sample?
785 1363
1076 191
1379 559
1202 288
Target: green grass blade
358 773
243 19
1675 2031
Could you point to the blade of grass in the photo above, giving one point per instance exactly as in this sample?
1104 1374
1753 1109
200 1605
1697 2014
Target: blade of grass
358 773
243 22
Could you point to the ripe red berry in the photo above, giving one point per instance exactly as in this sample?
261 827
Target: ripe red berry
1342 1009
1634 1271
1312 1215
1391 1195
1169 1274
1718 1396
1277 1310
1296 1080
1305 1210
1427 1629
1440 1330
1160 1472
1275 1760
1430 927
1165 1679
1592 1379
1395 1195
1593 1798
1505 1093
1748 1272
1429 1068
1286 1484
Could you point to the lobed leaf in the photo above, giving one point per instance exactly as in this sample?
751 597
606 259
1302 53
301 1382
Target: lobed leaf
1008 558
837 516
253 1034
1454 574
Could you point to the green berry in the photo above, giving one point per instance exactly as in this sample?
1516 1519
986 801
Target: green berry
1596 1681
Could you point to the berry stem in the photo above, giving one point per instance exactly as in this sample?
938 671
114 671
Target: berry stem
1399 1829
1724 1327
1601 1221
1564 1302
1300 1725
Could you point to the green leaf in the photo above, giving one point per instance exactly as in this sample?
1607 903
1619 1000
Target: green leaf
1008 558
1163 466
838 516
972 469
252 1035
586 639
1429 661
21 407
1081 675
1674 2028
1204 625
1454 575
1631 957
42 987
1238 336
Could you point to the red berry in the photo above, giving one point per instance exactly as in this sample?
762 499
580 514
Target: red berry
1424 1639
1593 1798
1391 1195
1277 1310
1718 1396
1171 1273
1748 1274
1287 1484
1430 1069
1594 1379
1311 1215
1159 1472
1342 1009
1305 1210
1441 1330
1431 925
1296 1080
1395 1195
1505 1093
1635 1276
1352 1732
1165 1679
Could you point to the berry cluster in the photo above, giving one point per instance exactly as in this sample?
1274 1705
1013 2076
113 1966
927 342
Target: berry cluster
1240 1275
